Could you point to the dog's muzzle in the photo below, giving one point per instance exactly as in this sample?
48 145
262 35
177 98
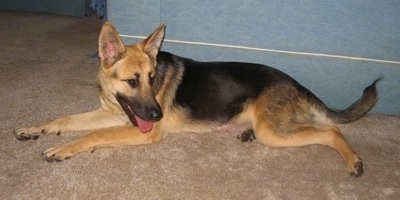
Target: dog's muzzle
143 122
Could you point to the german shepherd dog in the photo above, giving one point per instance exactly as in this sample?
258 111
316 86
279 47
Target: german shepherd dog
145 92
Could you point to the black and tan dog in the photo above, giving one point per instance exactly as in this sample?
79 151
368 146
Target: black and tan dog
145 92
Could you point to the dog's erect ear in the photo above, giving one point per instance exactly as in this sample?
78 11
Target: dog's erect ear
111 47
152 44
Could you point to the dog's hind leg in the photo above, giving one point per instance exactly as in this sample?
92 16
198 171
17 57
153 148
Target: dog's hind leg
285 116
330 136
96 119
115 137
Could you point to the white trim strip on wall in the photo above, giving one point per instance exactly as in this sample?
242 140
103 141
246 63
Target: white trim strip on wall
271 50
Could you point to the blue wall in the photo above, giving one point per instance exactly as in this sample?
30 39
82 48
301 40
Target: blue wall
355 29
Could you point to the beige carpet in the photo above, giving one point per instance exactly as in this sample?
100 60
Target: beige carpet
46 72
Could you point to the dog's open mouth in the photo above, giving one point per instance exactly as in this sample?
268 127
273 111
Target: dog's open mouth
144 126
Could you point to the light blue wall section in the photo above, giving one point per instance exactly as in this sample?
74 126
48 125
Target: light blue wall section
134 17
358 28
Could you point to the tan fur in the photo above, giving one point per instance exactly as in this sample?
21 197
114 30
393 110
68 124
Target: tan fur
271 116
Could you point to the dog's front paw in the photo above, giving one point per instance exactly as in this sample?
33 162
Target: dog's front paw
58 153
63 152
28 133
32 133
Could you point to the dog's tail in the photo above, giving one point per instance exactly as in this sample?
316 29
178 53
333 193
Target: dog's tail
359 108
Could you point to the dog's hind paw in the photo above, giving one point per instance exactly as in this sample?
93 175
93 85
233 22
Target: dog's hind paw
358 169
247 136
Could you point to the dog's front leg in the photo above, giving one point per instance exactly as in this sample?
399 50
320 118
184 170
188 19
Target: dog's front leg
96 119
116 137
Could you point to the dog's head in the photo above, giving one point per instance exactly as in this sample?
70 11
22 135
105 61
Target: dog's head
129 72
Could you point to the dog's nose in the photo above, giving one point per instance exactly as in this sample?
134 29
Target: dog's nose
155 114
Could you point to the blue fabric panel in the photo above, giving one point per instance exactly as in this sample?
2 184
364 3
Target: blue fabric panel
358 28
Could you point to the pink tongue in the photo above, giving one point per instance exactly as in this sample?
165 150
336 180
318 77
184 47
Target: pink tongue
144 126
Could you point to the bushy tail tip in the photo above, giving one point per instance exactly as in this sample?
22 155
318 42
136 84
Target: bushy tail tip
360 107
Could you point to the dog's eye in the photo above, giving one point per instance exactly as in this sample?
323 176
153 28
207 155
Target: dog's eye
134 83
152 77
